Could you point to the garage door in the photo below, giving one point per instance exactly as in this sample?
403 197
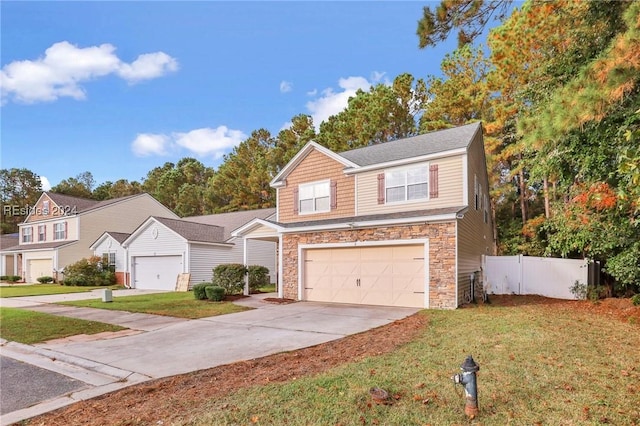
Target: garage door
37 268
156 272
387 275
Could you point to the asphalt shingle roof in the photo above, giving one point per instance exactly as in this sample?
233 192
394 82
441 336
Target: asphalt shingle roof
119 236
232 221
415 146
195 232
81 205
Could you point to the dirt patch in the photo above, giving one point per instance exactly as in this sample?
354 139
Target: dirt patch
278 300
171 399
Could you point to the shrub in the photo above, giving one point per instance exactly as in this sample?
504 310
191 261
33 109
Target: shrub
214 293
230 277
4 277
579 290
199 290
258 277
635 300
89 272
14 278
44 280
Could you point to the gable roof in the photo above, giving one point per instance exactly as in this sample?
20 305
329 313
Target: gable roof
118 236
278 180
75 203
232 221
193 232
415 146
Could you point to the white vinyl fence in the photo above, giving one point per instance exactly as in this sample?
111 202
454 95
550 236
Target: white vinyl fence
543 276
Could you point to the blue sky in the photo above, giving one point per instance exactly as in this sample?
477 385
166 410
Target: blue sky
118 88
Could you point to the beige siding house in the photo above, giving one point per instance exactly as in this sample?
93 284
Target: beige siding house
60 230
402 223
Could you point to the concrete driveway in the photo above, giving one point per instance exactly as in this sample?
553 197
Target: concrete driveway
183 346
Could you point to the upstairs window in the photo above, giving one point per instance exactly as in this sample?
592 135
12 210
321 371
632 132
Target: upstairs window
314 197
45 207
42 232
406 184
60 231
27 234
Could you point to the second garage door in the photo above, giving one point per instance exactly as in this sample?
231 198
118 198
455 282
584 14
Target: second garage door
156 272
386 275
37 268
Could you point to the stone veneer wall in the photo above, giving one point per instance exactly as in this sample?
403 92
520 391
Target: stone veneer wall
442 255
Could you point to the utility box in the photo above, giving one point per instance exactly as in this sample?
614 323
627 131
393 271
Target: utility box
107 295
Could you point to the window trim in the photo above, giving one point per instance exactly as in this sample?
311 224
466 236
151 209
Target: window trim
64 231
42 228
302 212
27 237
406 169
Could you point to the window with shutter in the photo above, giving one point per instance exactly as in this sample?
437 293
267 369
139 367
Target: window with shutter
405 184
314 197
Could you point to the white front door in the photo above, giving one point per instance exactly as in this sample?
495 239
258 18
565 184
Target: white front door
156 272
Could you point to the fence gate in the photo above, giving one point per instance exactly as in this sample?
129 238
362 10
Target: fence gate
544 276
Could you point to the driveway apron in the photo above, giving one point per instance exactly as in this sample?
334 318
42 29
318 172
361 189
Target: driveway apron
184 346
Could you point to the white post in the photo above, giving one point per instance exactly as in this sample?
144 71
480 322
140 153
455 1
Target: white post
245 259
280 268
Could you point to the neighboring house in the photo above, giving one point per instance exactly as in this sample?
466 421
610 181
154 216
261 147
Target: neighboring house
108 246
161 248
9 262
400 223
60 230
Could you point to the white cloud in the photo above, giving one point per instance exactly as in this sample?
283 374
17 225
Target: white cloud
208 141
146 144
147 66
286 86
201 142
331 103
377 77
46 185
64 67
312 92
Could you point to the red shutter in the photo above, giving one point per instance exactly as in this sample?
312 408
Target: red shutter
295 200
45 232
433 181
334 194
381 188
65 230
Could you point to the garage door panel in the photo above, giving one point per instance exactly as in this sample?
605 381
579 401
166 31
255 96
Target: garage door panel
37 268
157 272
378 275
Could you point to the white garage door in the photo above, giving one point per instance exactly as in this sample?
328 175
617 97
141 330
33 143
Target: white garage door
156 272
37 268
387 275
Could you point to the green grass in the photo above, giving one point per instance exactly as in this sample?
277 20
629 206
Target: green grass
174 304
43 289
271 288
19 325
538 365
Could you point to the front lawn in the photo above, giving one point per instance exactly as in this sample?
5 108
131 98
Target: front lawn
44 289
19 325
546 365
173 304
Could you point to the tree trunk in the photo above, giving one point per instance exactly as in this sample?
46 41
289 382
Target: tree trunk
545 186
523 196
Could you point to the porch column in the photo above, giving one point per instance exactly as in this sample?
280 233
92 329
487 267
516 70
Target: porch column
246 264
280 268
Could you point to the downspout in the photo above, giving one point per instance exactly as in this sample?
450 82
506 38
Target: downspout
245 243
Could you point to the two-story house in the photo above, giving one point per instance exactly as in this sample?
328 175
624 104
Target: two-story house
400 223
59 230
